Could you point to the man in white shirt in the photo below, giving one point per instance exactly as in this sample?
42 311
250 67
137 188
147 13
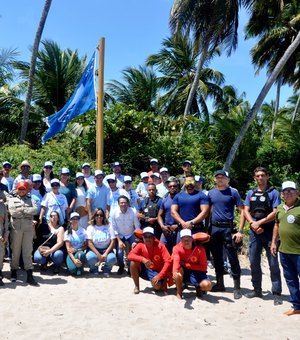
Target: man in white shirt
7 179
124 221
114 194
89 179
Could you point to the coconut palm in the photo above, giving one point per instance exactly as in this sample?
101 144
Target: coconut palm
177 63
34 54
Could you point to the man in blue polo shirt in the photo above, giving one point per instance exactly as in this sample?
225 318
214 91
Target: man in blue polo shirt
223 199
190 207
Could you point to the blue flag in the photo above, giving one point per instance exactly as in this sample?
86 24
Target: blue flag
82 100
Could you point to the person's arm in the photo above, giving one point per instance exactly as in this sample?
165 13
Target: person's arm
177 217
70 251
72 204
59 243
238 236
275 239
89 207
202 215
160 220
110 247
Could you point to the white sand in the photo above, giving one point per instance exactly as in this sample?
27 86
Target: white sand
93 307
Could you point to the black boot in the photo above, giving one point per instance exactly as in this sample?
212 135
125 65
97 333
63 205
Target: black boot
219 286
237 294
13 275
30 278
257 292
1 277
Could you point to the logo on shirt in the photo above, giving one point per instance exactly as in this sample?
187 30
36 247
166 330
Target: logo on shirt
156 257
291 219
194 259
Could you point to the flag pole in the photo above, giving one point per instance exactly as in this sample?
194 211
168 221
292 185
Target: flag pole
100 107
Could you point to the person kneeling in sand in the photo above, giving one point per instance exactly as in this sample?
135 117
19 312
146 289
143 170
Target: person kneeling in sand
190 264
151 261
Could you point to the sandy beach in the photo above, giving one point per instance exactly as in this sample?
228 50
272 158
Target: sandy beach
93 307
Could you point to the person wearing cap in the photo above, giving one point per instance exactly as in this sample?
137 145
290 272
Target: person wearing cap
187 169
25 168
167 223
80 204
22 210
7 179
149 210
67 189
287 229
155 177
151 261
97 195
88 177
124 222
4 233
47 175
114 194
101 240
190 265
162 187
154 167
3 188
116 170
75 239
190 207
142 187
223 199
134 198
199 184
260 210
54 201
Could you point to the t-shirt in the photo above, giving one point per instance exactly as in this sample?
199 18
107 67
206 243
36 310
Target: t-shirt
112 199
81 197
166 207
98 196
8 181
223 203
69 191
55 203
189 204
76 238
100 235
289 228
162 191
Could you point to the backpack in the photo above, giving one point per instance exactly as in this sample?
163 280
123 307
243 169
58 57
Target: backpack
151 207
260 204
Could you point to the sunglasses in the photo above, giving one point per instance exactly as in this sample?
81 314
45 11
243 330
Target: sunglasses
53 216
37 181
148 236
99 215
48 167
75 218
110 181
55 185
172 186
286 191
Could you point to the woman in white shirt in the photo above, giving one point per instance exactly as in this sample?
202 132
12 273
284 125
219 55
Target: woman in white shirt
80 204
47 175
101 242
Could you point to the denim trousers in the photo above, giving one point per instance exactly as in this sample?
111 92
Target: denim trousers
291 271
256 244
71 265
57 257
120 252
92 259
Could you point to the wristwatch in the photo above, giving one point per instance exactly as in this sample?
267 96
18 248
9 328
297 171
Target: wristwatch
192 224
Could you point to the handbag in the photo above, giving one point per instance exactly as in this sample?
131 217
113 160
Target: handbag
42 247
81 210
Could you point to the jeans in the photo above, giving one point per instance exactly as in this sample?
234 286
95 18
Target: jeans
291 271
169 240
92 259
220 238
71 265
256 245
57 257
120 252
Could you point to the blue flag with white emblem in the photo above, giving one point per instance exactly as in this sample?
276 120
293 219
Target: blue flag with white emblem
82 100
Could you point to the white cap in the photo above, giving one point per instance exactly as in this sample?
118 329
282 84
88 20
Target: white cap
6 163
154 160
288 185
127 179
99 172
85 164
155 174
74 214
36 177
54 180
116 164
163 170
111 177
148 230
185 232
48 164
143 175
79 174
64 171
199 178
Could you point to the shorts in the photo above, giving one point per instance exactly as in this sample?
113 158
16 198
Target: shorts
193 276
148 274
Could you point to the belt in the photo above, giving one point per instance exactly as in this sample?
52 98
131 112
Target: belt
227 224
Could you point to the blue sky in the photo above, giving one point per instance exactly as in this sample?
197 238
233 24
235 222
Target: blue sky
133 29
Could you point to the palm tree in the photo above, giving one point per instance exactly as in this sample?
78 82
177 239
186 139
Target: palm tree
140 88
35 49
7 57
177 62
213 23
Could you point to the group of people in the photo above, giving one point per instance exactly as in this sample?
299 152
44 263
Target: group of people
158 231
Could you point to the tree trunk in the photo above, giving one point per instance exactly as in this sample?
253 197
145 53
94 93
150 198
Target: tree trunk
196 79
34 54
296 109
251 115
276 107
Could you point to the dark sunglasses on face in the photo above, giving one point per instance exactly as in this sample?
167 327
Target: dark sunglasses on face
110 181
148 236
48 167
55 185
99 215
53 216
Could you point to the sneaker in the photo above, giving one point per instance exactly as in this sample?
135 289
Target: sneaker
254 293
106 275
277 300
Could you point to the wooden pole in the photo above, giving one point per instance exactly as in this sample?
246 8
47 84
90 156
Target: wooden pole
100 107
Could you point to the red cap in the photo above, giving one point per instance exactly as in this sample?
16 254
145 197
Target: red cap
22 185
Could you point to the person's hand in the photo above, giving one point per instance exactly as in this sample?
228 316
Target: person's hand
176 276
152 220
259 231
255 225
77 263
68 211
121 245
72 250
186 225
273 248
155 280
141 216
34 223
238 237
166 230
173 227
147 263
46 253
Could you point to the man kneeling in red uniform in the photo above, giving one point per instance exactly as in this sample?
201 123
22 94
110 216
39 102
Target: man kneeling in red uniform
151 261
190 264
